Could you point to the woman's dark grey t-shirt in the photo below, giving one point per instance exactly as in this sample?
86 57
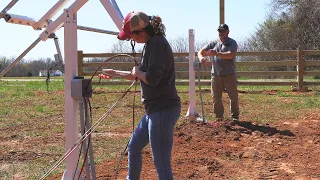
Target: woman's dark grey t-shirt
158 63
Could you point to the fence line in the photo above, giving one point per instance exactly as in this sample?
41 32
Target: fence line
299 64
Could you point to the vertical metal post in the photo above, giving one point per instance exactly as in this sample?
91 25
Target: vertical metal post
192 112
71 70
204 121
222 12
56 42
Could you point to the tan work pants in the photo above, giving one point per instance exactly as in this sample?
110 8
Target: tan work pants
218 85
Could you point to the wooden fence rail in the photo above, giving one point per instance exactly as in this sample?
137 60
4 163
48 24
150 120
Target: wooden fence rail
297 62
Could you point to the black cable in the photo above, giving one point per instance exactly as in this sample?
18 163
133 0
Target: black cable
112 57
86 134
87 94
84 130
89 138
132 43
133 105
133 126
91 129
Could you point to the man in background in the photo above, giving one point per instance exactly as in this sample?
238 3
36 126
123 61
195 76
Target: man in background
223 74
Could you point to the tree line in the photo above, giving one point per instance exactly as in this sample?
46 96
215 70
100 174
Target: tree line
289 24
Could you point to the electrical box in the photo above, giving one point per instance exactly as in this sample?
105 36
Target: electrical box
81 88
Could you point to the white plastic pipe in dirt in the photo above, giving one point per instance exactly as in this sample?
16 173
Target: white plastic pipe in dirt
192 112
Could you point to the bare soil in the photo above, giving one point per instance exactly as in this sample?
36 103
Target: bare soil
284 149
288 149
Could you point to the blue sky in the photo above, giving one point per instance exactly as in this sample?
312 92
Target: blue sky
242 16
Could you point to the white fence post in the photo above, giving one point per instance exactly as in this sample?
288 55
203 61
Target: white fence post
192 112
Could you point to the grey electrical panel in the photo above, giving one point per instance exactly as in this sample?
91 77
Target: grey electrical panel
81 88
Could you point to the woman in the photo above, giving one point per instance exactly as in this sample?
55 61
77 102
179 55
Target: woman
158 93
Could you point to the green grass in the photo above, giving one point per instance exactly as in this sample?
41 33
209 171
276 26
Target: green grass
32 119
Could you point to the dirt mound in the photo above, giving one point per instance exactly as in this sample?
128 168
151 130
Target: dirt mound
242 150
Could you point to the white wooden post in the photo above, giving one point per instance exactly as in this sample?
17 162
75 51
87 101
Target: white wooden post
71 106
192 112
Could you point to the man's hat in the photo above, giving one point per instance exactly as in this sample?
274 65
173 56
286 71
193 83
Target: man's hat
223 27
135 20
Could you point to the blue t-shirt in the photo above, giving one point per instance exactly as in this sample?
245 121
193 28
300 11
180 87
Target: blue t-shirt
220 66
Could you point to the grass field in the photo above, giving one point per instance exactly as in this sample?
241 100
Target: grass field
32 119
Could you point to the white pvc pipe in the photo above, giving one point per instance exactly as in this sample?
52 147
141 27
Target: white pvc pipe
192 110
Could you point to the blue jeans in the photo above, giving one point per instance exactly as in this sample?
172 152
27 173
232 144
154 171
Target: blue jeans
156 128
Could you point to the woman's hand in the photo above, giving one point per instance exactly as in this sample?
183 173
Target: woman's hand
109 72
104 76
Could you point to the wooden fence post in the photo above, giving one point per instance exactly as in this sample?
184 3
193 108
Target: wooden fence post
300 69
80 63
221 11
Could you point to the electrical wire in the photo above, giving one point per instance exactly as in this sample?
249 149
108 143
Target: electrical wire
123 152
87 94
91 129
89 139
112 57
133 44
86 134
